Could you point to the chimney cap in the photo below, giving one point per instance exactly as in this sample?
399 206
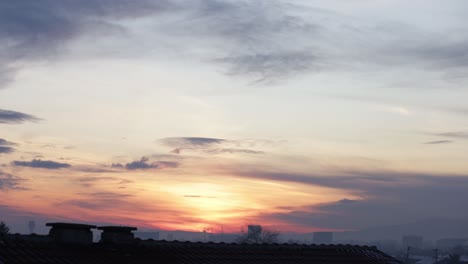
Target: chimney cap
71 225
118 228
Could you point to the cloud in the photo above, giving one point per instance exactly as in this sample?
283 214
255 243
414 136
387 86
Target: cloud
257 34
254 34
380 198
144 164
44 164
40 29
233 151
443 54
89 182
168 164
5 146
92 169
210 146
4 142
12 117
117 165
270 67
100 201
457 134
438 142
190 142
4 149
267 40
9 182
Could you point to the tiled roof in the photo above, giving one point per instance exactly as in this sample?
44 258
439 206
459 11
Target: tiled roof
25 251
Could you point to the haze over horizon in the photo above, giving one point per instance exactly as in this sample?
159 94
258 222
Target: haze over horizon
170 114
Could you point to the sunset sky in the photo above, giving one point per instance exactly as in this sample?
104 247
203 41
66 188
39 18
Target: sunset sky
303 115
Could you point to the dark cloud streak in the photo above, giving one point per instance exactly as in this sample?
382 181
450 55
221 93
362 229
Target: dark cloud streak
458 134
438 142
145 164
186 142
207 145
6 150
13 117
43 164
4 142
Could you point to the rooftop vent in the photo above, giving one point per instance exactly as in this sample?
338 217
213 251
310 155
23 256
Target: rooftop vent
117 234
70 233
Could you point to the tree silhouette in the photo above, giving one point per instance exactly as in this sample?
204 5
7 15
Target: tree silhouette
256 234
4 229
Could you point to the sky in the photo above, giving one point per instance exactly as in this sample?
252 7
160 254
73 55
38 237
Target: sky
210 114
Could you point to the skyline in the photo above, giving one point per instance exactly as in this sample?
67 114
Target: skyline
301 115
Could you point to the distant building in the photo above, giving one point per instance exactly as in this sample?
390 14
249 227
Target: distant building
412 241
323 238
450 243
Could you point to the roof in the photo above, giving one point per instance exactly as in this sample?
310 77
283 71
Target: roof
71 226
20 250
118 228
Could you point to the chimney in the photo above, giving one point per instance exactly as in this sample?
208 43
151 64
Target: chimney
69 233
117 234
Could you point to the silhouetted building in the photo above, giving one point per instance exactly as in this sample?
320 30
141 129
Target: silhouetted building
117 234
67 233
412 241
323 238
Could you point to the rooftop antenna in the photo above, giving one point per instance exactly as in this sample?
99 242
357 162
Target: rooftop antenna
407 254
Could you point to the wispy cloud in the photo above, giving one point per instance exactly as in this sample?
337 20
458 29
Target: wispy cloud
9 182
456 134
233 151
189 142
256 36
90 181
43 164
31 36
4 142
12 117
5 146
100 201
438 142
209 145
264 68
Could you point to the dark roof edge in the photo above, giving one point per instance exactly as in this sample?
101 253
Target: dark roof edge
71 225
